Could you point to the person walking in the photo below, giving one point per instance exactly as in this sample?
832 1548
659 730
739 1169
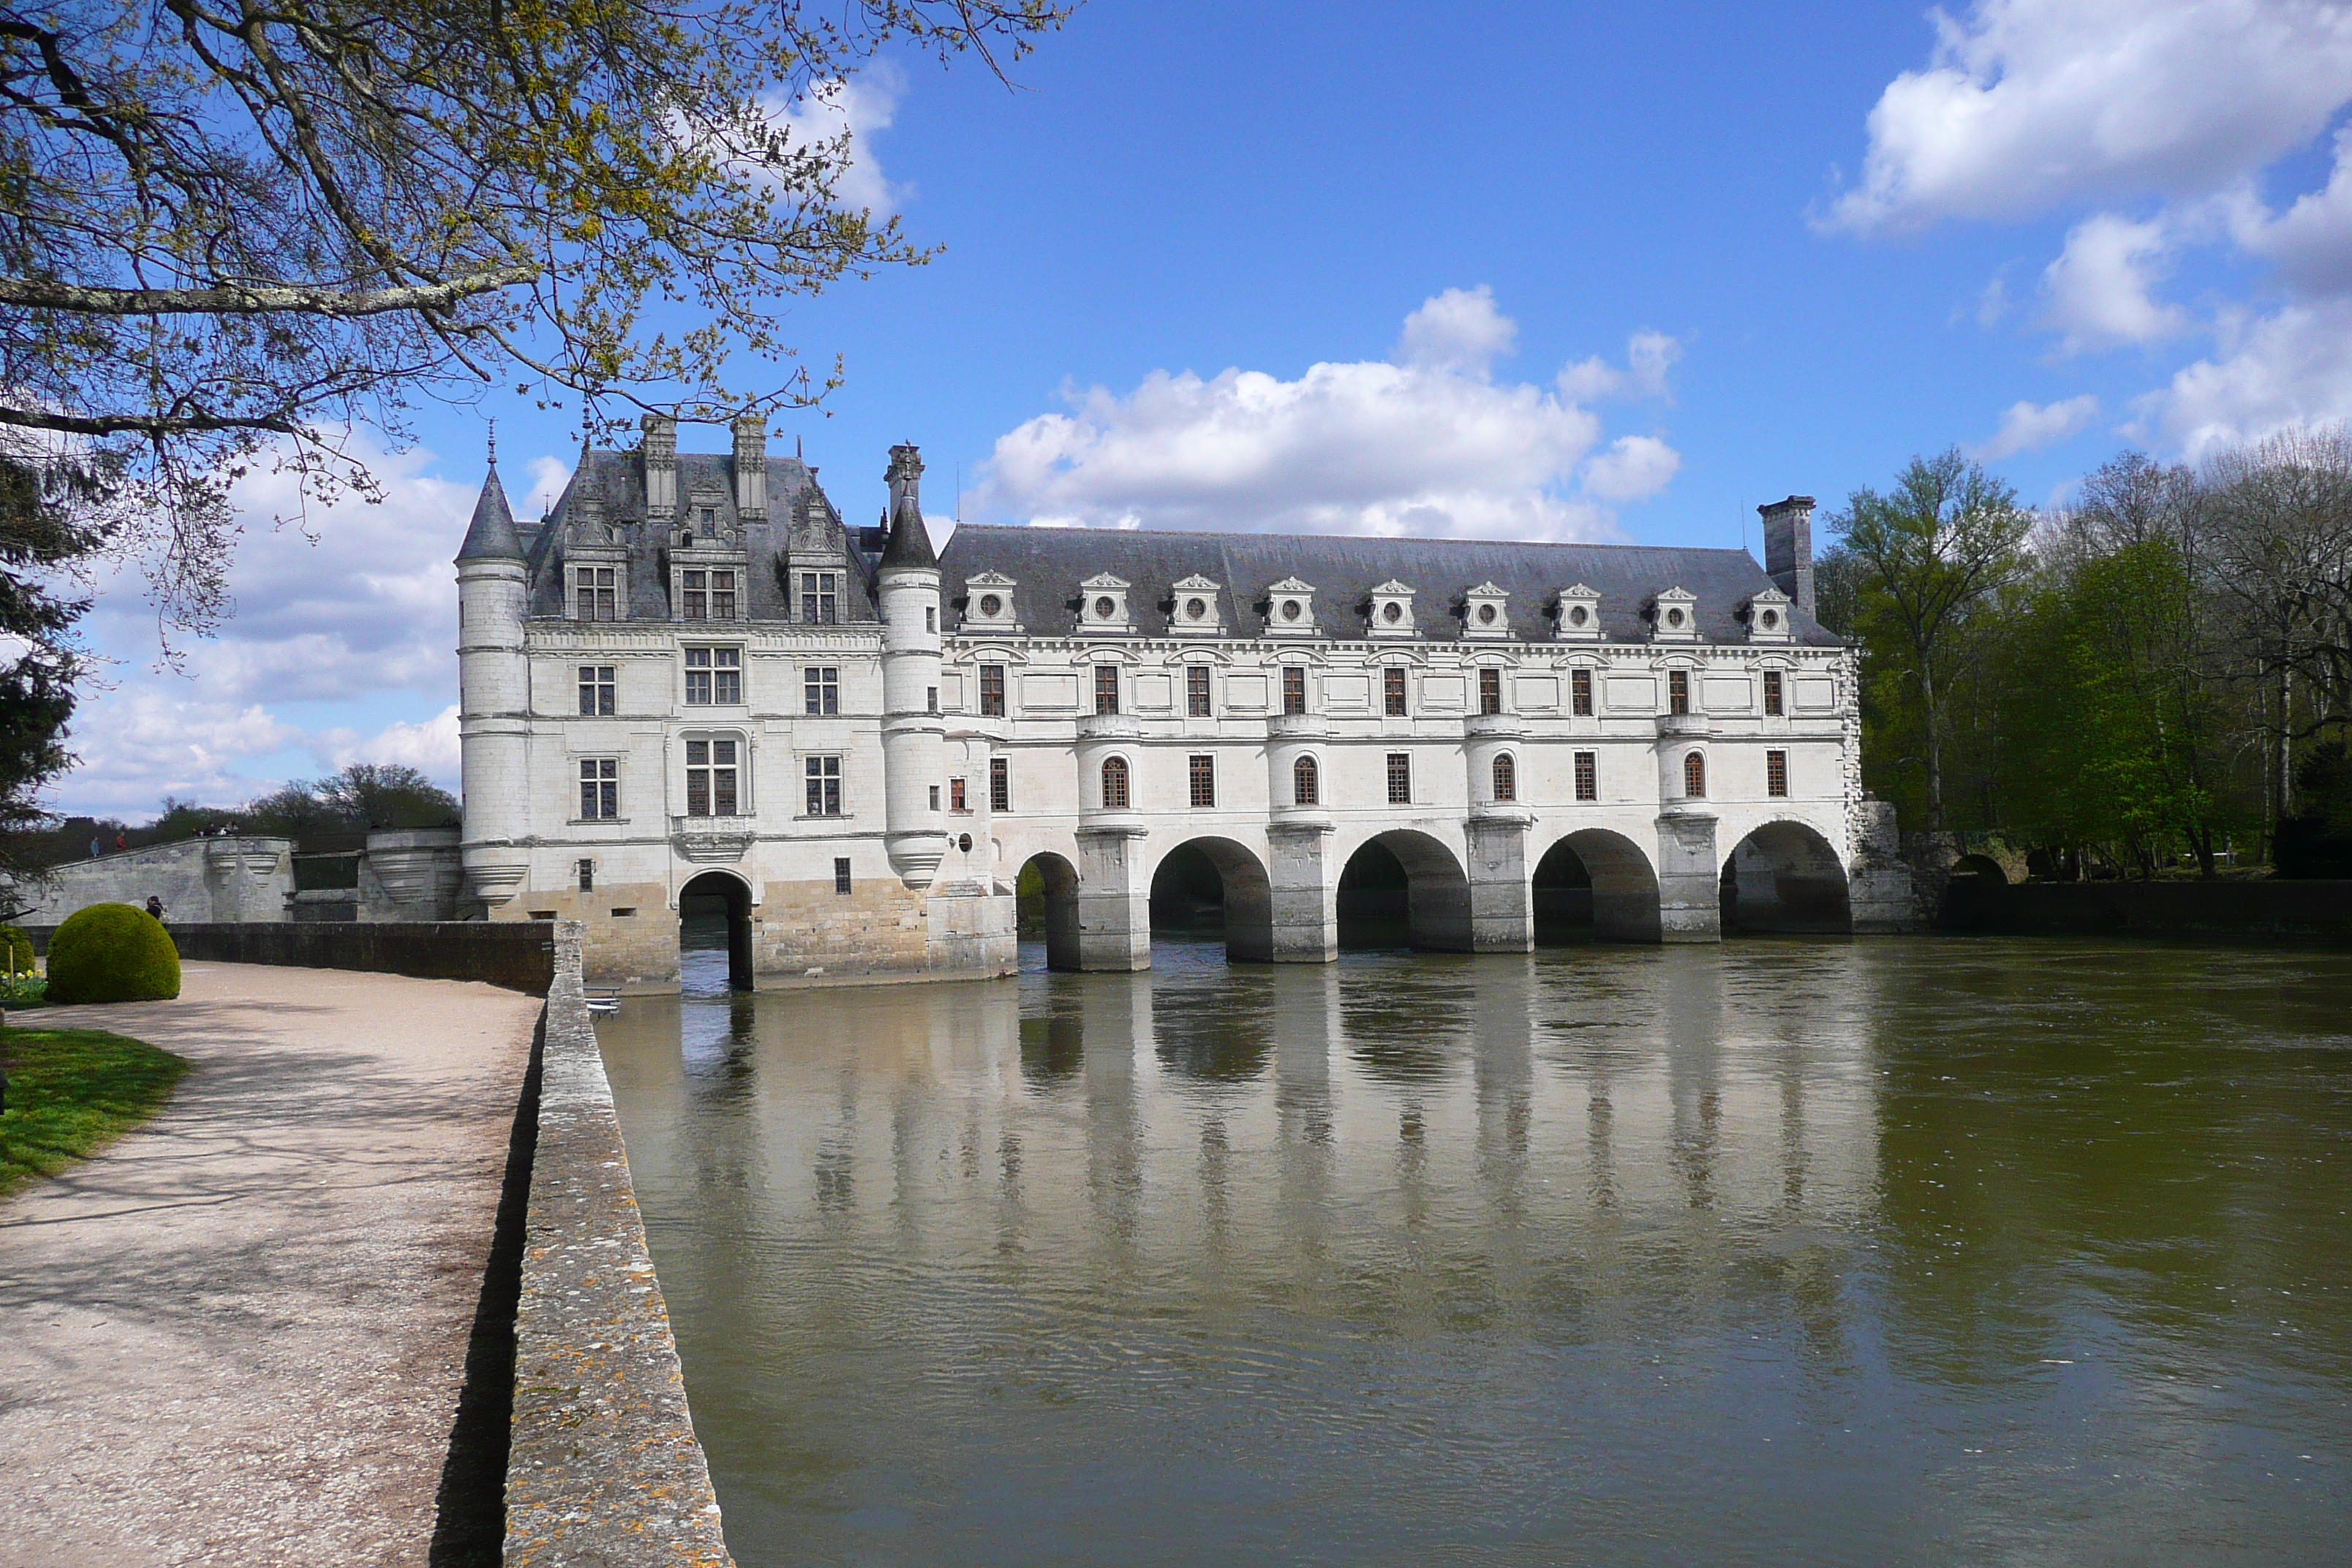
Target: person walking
96 849
121 841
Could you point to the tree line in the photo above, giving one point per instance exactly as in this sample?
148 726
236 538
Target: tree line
2158 674
334 811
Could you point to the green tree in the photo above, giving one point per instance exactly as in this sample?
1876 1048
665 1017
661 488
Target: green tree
1929 553
235 231
43 532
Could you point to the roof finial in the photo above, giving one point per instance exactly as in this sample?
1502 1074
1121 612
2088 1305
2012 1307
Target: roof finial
494 440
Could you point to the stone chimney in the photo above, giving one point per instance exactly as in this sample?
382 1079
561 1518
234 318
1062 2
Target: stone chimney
1788 548
905 476
751 467
660 451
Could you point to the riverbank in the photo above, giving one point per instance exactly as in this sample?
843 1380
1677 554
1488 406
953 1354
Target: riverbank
239 1333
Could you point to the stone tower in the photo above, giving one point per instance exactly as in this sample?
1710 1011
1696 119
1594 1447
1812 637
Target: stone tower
913 734
493 697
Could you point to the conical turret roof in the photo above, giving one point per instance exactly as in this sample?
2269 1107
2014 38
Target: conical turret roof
910 542
491 536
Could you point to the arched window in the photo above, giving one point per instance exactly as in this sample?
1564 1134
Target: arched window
1695 775
1507 777
1114 784
1303 782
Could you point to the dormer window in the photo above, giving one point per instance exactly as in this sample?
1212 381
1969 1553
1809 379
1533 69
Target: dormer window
709 520
595 593
1193 608
707 596
1486 612
988 602
1674 617
821 597
1578 615
1290 608
1767 615
1390 611
1102 604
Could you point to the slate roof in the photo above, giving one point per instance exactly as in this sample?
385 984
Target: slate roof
1047 565
491 535
800 519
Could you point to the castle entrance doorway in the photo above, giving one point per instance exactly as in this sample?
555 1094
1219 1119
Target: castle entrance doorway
714 934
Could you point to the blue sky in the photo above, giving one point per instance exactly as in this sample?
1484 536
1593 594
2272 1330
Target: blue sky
1529 270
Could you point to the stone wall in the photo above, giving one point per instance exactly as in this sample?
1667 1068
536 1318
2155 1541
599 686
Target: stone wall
519 956
405 875
603 1467
242 879
2301 910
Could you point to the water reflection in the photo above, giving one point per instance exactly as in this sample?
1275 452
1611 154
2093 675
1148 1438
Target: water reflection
1784 1251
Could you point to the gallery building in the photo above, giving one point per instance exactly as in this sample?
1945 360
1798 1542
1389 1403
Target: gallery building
693 680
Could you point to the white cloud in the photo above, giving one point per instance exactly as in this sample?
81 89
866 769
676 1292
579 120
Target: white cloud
857 109
2291 367
1634 469
365 615
143 740
2101 288
2030 426
430 747
2031 103
1648 356
1458 330
2179 109
1430 444
2311 242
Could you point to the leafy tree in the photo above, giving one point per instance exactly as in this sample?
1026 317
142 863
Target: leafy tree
1929 553
233 231
42 532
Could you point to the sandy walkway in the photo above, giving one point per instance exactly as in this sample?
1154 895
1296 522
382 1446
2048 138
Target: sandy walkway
238 1335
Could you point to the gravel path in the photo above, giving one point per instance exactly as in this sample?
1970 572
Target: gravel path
238 1335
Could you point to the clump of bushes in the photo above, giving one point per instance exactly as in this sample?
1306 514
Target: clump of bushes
112 952
22 987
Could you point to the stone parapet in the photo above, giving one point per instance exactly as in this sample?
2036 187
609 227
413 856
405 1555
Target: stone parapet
603 1467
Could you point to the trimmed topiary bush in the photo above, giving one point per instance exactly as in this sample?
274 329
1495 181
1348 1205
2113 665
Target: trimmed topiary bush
112 952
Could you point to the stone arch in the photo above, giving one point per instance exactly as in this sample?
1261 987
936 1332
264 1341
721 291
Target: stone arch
1045 895
1982 866
1785 877
1435 905
1245 894
1595 881
728 891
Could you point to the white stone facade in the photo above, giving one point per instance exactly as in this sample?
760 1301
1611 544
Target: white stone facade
865 749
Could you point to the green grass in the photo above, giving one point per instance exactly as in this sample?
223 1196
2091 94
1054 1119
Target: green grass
73 1091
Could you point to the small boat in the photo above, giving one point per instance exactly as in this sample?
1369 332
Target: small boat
603 1001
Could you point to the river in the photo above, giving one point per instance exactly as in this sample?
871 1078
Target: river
1934 1251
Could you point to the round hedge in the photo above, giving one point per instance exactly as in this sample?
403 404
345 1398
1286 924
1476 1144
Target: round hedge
112 952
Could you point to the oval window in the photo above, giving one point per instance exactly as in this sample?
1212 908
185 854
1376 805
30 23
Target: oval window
964 842
1104 608
1290 609
1673 617
1196 609
1486 614
991 606
1772 620
1393 612
1576 617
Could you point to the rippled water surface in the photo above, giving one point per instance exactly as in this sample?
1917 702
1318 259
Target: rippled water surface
1949 1252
